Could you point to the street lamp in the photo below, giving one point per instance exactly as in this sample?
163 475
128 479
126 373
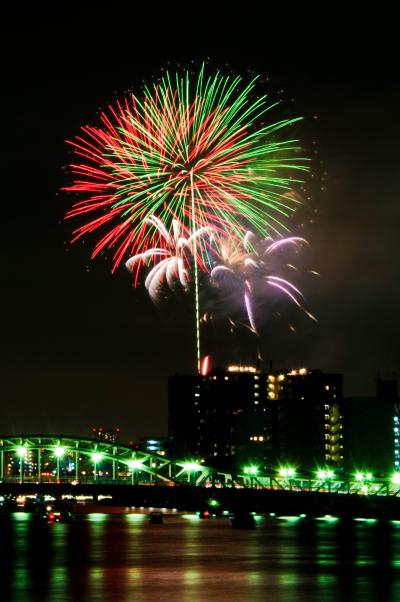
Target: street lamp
21 452
135 465
289 473
252 471
96 457
58 452
396 478
191 468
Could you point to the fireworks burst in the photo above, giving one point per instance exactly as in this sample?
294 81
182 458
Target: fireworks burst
171 261
190 149
194 150
249 262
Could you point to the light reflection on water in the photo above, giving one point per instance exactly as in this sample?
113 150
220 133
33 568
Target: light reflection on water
104 558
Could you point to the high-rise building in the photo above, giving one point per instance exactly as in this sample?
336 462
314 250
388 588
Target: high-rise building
373 430
220 416
243 415
306 418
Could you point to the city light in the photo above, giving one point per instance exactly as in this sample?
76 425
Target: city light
21 451
135 464
192 467
287 472
367 476
251 470
59 452
325 474
97 456
396 478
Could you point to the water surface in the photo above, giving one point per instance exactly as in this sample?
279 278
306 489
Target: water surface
117 558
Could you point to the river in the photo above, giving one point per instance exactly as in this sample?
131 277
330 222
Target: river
115 558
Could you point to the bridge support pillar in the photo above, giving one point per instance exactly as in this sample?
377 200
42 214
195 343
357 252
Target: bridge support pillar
114 463
2 465
39 465
77 465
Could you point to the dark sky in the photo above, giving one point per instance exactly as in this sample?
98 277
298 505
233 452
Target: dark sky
82 347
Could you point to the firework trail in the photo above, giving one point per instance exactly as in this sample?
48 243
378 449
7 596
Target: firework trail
170 261
248 262
193 148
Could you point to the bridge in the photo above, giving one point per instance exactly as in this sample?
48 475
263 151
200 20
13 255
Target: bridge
49 459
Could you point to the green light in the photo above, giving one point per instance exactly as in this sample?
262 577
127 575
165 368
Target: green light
21 451
321 474
214 503
135 464
272 514
97 457
135 518
328 518
21 516
97 517
251 470
368 476
59 452
359 476
192 467
396 478
330 474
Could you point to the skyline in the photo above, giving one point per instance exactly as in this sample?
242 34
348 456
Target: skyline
71 329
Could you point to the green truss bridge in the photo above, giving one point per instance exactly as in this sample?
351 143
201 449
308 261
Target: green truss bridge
74 460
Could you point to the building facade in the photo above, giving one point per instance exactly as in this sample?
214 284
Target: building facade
373 430
306 418
241 415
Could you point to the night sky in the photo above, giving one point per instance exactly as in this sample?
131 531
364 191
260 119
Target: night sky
82 347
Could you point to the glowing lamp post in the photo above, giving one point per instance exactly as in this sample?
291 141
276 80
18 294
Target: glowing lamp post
21 452
252 471
288 473
59 453
191 468
96 457
396 478
326 476
135 465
